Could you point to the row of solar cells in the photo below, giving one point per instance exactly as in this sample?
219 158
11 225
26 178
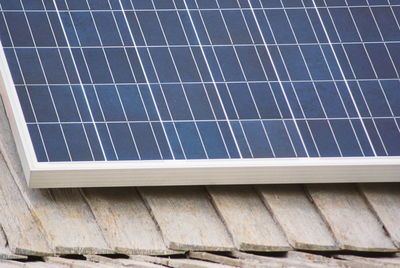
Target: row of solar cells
171 4
113 65
213 140
200 102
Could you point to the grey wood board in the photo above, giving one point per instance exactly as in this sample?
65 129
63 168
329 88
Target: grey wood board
284 262
354 225
5 252
298 217
77 263
123 262
384 199
125 221
186 218
227 260
328 261
369 262
22 228
179 263
10 264
247 219
53 208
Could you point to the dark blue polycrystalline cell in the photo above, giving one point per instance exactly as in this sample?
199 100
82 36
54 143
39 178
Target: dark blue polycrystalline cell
199 101
120 66
240 138
279 138
243 101
19 29
374 137
309 100
65 101
265 101
54 142
226 130
177 102
97 65
164 65
257 139
359 61
76 139
133 103
25 104
83 24
365 23
215 27
145 141
110 103
251 64
191 140
42 103
37 143
387 23
294 62
123 141
151 28
160 134
185 64
212 140
301 26
107 28
295 138
94 141
381 61
390 134
308 139
344 23
346 137
237 27
316 62
391 89
280 26
229 63
173 30
331 99
375 98
324 138
41 29
53 66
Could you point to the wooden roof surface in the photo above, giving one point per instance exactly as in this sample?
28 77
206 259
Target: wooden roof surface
172 220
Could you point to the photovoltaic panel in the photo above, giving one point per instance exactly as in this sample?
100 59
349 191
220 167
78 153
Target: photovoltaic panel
123 80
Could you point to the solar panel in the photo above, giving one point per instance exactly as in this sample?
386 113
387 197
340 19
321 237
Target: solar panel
130 92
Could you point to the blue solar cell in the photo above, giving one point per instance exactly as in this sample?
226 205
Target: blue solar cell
187 79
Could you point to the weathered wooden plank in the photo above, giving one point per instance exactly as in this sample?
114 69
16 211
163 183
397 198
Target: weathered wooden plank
186 218
5 252
179 263
125 221
298 217
384 199
370 262
247 219
123 262
55 208
349 217
283 262
227 260
10 264
41 264
328 261
77 263
24 234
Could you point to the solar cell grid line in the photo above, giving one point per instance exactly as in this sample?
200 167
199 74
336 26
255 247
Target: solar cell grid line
358 83
266 75
161 87
83 89
182 88
335 84
247 85
344 77
24 84
81 84
70 89
113 81
202 82
46 80
225 82
290 81
314 87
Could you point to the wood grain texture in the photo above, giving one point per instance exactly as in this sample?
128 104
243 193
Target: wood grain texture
53 208
228 260
5 252
186 218
384 199
298 217
349 217
370 262
247 219
280 262
179 263
22 228
125 221
122 262
78 263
